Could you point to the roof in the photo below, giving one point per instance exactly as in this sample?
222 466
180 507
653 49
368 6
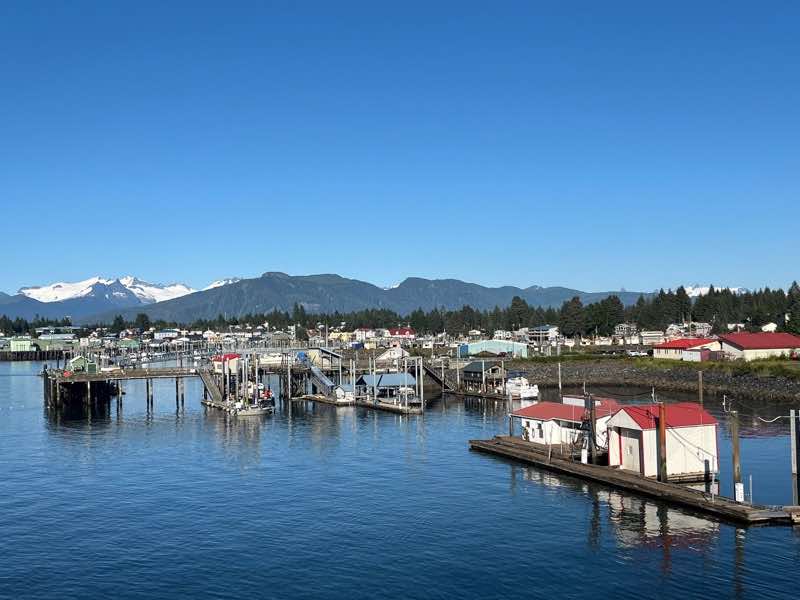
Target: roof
478 366
225 357
684 343
388 380
401 331
761 341
547 411
680 414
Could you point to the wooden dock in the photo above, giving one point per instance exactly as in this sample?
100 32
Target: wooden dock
401 409
323 400
717 506
363 402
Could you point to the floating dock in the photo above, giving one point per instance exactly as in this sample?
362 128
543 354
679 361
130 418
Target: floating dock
717 506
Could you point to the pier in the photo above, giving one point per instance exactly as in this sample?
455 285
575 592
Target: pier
717 506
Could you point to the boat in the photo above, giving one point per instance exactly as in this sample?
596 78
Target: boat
521 388
260 407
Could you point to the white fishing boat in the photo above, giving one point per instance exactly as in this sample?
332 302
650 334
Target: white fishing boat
521 388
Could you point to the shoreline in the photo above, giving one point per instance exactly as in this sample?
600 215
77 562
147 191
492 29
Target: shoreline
677 378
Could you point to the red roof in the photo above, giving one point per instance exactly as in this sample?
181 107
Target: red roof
225 357
681 414
401 331
547 411
761 341
684 343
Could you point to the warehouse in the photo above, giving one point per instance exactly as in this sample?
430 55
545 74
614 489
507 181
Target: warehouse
753 346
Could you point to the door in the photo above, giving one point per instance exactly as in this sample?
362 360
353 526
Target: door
631 444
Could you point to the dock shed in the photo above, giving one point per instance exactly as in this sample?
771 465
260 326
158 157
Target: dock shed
692 448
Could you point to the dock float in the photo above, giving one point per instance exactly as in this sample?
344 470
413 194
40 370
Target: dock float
718 506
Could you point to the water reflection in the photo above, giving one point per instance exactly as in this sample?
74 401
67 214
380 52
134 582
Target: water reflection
635 521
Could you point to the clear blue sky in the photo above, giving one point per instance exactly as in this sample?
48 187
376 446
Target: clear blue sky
598 145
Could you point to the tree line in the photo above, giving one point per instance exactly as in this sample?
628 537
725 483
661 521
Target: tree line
719 307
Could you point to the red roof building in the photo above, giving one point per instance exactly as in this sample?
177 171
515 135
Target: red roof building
752 346
403 332
674 349
681 414
557 423
692 450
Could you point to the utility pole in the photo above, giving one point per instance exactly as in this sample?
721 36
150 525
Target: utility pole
738 486
662 442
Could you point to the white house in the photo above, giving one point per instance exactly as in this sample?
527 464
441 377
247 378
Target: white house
544 334
391 355
675 349
692 449
650 338
362 334
752 346
560 423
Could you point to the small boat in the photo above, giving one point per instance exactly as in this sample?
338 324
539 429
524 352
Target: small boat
520 387
254 411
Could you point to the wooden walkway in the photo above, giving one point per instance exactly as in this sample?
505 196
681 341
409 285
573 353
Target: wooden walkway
718 506
124 374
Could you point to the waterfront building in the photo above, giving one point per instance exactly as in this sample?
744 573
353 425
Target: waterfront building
495 348
752 346
674 349
554 423
22 344
692 450
483 375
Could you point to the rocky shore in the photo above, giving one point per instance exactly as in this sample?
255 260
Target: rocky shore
678 378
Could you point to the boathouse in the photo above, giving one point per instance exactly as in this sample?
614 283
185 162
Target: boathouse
561 423
483 375
692 449
385 386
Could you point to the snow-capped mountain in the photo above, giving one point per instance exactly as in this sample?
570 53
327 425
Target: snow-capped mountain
153 292
56 292
221 282
146 293
695 291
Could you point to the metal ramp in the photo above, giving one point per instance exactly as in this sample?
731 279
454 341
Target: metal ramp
322 381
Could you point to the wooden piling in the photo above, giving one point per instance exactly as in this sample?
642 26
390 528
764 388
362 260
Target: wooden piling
662 442
737 466
700 387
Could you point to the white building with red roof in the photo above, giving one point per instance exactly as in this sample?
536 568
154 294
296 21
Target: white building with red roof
675 349
405 334
229 362
752 346
560 423
692 449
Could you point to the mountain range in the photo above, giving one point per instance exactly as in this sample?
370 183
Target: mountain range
99 299
329 293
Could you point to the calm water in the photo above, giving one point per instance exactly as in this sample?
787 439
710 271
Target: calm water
346 503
